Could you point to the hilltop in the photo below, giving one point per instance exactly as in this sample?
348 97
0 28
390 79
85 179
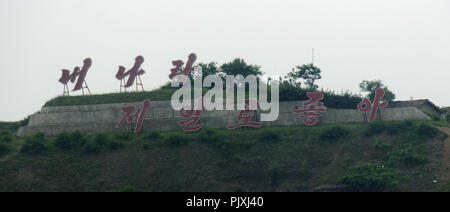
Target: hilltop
343 100
154 95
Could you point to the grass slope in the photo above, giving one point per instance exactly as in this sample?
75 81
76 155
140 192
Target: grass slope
381 156
154 95
343 100
161 94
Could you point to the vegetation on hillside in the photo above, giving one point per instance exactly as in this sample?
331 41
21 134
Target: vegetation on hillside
378 156
14 126
345 100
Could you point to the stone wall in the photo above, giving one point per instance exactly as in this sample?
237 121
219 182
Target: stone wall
161 116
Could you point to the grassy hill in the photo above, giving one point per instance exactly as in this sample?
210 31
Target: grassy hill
342 100
380 156
154 95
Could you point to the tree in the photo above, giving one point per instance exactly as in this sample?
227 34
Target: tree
293 79
239 66
308 72
371 86
209 69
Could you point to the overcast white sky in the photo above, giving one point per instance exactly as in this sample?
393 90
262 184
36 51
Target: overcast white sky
404 43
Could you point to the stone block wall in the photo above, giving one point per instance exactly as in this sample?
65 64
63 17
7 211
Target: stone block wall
161 116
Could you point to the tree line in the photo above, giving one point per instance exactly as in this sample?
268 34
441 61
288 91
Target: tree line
301 79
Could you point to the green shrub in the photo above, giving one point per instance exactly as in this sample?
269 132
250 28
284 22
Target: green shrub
398 127
343 100
113 145
62 139
152 135
334 133
5 136
407 123
35 144
4 149
406 155
105 140
269 135
25 121
176 140
375 127
102 139
288 92
433 116
123 136
70 141
447 118
425 130
100 142
91 147
369 177
210 136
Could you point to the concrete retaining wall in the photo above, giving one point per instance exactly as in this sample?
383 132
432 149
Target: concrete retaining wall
161 116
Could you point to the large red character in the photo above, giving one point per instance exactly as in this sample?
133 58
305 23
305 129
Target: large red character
245 116
132 115
77 73
178 69
134 72
366 105
191 124
313 108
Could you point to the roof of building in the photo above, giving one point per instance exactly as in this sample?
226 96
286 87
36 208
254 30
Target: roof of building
415 103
